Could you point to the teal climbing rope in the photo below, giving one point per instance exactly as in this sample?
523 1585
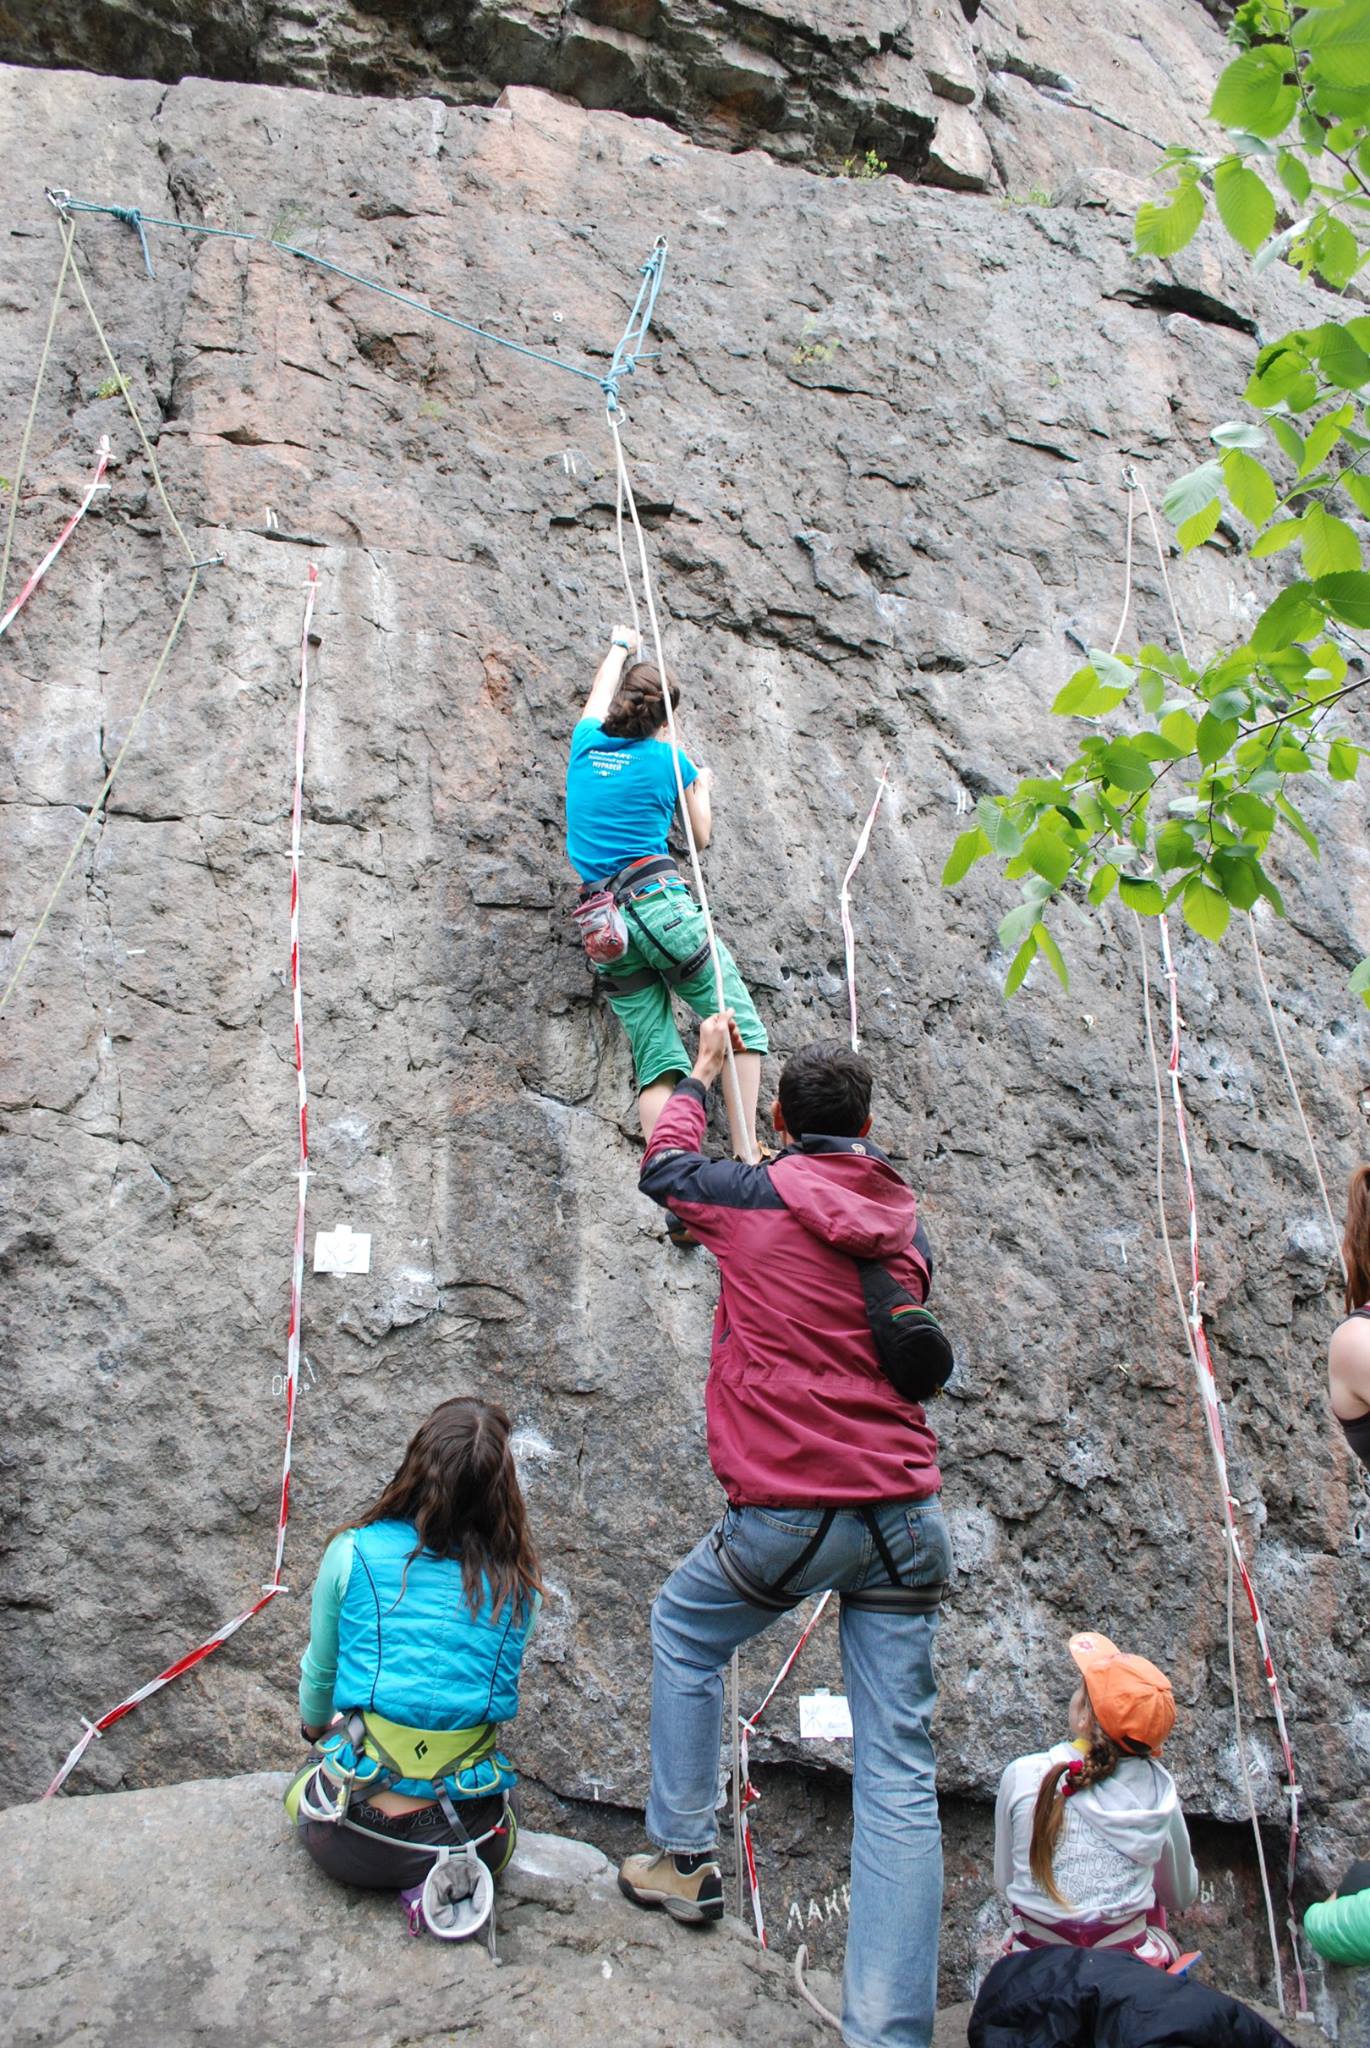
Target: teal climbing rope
626 357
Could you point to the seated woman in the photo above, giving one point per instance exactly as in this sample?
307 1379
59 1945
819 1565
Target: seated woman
1090 1846
1348 1355
421 1614
620 800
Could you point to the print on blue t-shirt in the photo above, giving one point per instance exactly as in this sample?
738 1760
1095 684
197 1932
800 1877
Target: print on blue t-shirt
620 798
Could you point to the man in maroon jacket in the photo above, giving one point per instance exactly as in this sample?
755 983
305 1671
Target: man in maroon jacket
832 1481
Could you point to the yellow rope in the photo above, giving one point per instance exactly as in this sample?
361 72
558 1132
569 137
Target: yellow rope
96 808
68 233
103 340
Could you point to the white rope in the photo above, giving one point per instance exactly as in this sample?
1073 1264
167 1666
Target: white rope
1130 485
801 1957
1249 1787
844 906
1294 1092
625 496
1140 487
1212 1421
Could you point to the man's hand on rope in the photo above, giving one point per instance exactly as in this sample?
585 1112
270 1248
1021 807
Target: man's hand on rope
715 1034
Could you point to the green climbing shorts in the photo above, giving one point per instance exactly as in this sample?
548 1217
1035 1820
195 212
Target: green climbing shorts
675 929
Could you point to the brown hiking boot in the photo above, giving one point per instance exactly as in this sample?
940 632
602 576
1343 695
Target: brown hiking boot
655 1879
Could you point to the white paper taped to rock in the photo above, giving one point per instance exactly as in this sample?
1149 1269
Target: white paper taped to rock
824 1716
342 1250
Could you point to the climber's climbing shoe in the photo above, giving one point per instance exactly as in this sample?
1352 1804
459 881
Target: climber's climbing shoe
689 1888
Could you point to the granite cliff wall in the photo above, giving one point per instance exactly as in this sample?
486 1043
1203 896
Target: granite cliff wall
880 456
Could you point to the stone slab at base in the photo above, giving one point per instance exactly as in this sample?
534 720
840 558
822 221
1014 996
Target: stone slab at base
188 1915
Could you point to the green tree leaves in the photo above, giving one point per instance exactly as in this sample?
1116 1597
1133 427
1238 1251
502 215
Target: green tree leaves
1245 203
1337 39
1181 779
1163 230
1256 92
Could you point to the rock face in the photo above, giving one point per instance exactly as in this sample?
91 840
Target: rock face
946 91
190 1915
880 456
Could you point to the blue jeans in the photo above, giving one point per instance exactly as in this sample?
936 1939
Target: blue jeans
889 1987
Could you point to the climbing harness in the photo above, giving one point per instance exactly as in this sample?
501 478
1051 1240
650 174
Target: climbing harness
844 900
600 915
97 483
1196 1340
369 1753
95 1729
456 1899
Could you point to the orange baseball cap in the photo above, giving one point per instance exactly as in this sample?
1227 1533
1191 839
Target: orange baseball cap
1132 1700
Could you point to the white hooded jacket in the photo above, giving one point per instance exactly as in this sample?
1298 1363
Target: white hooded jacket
1123 1849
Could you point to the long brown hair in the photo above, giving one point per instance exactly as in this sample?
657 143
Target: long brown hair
1099 1761
458 1485
1355 1244
639 706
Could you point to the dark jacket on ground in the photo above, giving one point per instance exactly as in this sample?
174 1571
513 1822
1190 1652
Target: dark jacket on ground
800 1413
1084 1998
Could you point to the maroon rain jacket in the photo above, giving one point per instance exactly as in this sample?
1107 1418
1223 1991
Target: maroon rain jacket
800 1413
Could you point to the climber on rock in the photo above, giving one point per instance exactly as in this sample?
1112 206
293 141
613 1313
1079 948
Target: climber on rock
1348 1356
650 940
421 1614
822 1354
1090 1845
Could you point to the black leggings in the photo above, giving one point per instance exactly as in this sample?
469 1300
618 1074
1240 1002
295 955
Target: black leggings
390 1866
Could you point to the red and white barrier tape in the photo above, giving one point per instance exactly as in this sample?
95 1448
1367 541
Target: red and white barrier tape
749 1796
1215 1419
96 483
848 936
94 1729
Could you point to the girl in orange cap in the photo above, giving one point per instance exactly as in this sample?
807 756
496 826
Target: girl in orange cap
1089 1839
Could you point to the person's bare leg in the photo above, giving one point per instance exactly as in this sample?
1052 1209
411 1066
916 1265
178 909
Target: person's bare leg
652 1101
742 1129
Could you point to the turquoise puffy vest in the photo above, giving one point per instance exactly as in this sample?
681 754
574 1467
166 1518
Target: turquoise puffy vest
409 1646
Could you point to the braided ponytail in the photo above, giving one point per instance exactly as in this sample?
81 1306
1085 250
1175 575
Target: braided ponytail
638 707
1076 1774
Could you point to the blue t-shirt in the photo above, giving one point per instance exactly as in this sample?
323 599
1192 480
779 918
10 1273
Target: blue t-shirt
620 798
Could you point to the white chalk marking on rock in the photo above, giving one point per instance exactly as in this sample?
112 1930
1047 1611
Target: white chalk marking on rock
342 1250
531 1443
